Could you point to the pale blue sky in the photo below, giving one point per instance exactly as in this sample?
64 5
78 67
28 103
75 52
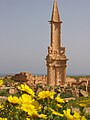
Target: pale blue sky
25 35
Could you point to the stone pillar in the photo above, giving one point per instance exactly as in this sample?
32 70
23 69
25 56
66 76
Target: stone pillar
56 75
49 75
59 76
63 75
50 80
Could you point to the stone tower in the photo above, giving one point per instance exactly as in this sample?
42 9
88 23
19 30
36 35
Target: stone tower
56 59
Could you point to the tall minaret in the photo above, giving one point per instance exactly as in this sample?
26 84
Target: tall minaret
56 59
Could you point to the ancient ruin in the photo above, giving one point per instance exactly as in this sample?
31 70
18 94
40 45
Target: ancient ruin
22 76
56 58
25 77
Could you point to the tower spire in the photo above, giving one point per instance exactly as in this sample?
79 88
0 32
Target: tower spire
56 58
55 13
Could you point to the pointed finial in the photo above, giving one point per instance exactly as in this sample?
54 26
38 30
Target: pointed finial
55 13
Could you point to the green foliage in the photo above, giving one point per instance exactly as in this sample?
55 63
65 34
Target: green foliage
66 95
11 112
4 92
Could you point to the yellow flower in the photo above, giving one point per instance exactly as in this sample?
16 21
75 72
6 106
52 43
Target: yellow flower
25 99
83 118
3 118
1 83
82 105
58 99
68 115
28 119
13 99
1 106
76 115
59 106
46 94
55 112
30 109
27 89
43 116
